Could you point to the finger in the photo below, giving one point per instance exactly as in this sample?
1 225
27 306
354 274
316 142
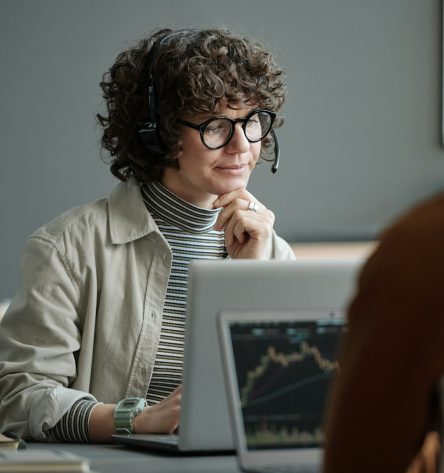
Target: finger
243 198
240 194
229 229
229 237
227 212
239 231
174 428
175 418
224 199
243 226
249 226
238 204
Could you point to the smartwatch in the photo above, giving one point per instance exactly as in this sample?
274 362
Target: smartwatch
125 411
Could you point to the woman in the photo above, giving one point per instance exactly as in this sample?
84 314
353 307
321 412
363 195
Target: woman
99 315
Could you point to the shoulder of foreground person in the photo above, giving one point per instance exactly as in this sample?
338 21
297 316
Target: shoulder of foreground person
418 223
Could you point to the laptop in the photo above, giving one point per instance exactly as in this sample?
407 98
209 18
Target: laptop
219 285
278 368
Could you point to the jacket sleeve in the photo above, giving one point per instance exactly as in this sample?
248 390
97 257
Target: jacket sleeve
40 336
392 357
281 249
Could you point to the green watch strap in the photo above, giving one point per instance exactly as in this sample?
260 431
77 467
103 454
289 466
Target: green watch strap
125 411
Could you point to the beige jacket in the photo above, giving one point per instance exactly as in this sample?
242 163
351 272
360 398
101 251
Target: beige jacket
86 319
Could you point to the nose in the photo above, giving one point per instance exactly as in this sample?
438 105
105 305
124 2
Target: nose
238 142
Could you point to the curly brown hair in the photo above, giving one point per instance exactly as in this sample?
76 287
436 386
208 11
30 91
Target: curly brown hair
192 71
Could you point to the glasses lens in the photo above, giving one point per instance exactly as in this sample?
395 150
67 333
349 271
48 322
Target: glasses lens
257 126
216 132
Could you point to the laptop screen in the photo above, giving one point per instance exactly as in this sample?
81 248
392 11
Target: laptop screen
284 369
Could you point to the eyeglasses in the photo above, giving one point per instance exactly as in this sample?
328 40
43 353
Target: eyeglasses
218 131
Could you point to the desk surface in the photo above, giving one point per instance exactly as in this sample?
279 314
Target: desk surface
110 458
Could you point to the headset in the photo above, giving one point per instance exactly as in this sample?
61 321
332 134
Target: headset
150 133
277 152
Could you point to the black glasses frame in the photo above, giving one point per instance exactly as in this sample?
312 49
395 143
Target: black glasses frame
202 126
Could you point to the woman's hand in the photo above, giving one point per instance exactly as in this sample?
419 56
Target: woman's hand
247 232
162 418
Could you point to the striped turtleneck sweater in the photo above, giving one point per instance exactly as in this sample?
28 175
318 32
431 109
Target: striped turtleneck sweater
189 232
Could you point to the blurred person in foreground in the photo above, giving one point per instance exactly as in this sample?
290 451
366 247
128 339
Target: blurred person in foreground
384 411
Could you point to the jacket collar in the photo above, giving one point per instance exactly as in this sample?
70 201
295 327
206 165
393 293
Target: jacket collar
129 218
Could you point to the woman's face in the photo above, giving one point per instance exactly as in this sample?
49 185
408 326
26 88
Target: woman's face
204 173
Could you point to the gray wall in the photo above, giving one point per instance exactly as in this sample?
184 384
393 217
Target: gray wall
362 135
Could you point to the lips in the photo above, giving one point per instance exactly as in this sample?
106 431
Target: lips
233 167
238 170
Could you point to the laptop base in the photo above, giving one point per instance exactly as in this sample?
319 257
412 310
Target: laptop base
162 443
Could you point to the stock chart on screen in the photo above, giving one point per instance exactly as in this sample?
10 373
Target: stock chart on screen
284 370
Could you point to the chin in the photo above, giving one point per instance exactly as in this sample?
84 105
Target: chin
225 188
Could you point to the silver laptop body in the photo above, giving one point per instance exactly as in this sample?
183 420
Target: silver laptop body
219 285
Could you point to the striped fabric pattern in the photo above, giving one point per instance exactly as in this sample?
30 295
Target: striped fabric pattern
73 426
189 231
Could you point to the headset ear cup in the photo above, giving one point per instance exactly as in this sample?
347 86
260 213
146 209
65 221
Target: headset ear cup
150 137
150 134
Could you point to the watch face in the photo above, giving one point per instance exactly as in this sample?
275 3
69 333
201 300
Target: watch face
128 403
124 412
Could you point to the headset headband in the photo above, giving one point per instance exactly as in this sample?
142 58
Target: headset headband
149 133
150 61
